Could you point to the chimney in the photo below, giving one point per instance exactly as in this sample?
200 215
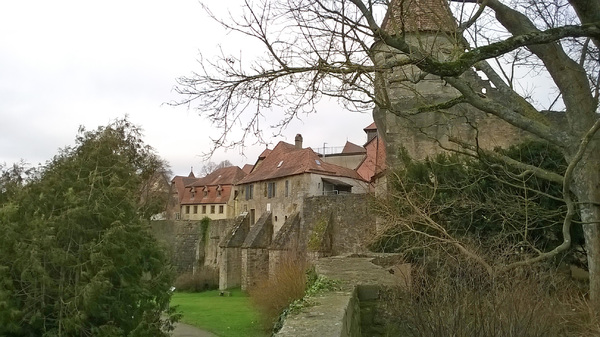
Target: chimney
298 141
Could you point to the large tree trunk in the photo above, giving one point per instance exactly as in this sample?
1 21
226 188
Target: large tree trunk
586 187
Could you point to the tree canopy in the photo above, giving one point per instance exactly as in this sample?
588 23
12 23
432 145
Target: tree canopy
76 258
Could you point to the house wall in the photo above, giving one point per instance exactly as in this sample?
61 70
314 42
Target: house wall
228 212
282 207
344 160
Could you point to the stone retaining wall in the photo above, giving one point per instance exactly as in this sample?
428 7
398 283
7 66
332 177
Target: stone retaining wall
338 313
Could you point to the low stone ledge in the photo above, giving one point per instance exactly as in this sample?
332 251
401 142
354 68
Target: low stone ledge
334 314
337 313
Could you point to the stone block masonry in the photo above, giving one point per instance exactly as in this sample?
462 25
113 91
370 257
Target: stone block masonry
351 224
185 244
230 248
338 313
255 255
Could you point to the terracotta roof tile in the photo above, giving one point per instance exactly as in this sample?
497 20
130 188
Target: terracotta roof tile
247 168
223 176
374 162
180 182
371 127
287 160
418 16
353 148
217 185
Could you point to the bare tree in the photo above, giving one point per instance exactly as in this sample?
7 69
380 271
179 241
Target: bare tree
211 167
346 49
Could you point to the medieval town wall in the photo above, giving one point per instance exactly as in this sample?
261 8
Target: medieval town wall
186 243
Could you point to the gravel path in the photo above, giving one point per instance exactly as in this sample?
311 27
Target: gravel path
186 330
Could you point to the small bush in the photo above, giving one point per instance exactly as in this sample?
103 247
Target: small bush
205 278
288 283
459 300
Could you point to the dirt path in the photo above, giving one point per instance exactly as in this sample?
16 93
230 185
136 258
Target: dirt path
186 330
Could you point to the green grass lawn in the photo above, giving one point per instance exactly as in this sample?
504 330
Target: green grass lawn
230 316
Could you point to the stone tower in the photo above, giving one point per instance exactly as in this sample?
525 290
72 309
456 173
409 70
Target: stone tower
429 26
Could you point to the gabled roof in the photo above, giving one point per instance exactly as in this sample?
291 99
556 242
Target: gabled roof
180 182
374 162
418 16
247 168
264 154
218 186
371 127
287 160
351 148
223 176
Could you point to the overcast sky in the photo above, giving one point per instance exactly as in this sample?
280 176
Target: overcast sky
69 63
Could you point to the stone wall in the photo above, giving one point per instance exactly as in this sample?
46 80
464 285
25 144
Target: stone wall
255 255
340 313
349 222
185 244
403 126
230 253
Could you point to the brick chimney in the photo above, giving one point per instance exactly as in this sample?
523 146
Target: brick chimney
298 141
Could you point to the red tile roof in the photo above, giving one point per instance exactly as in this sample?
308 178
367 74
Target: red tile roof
180 182
418 16
223 176
371 127
287 160
351 148
374 162
247 168
217 185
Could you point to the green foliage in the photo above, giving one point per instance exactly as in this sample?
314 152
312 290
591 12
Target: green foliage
479 200
317 236
75 255
204 226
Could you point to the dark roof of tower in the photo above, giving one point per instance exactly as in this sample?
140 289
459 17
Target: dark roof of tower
419 16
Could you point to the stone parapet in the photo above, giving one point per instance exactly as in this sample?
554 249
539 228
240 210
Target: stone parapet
338 313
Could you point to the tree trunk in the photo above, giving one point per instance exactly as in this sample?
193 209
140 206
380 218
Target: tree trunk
586 187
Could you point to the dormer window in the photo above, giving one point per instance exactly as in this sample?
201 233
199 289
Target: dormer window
205 190
193 192
219 189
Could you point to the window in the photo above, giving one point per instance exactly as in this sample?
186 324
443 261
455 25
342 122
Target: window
205 193
187 209
203 209
221 209
271 190
287 188
195 209
177 216
212 209
249 191
219 189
